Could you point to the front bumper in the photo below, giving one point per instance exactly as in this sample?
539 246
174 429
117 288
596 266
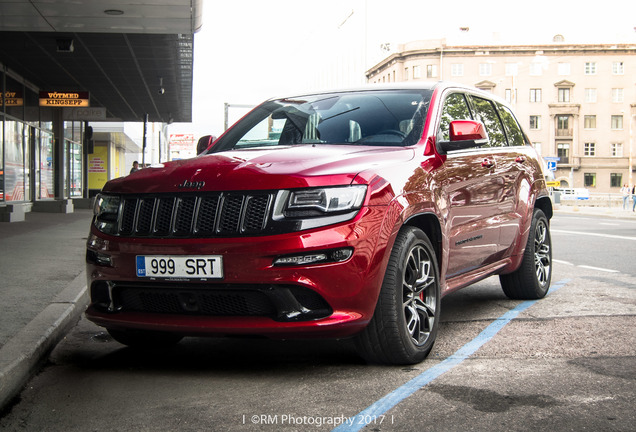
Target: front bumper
255 296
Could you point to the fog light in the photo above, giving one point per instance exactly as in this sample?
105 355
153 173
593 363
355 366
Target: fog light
98 258
340 255
335 255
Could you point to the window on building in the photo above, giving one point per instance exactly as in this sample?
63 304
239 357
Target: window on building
617 122
618 95
589 122
589 149
485 69
616 179
512 69
511 95
617 149
563 126
457 69
564 94
563 68
535 122
535 95
406 74
431 71
563 152
618 68
417 72
589 179
590 68
536 69
590 95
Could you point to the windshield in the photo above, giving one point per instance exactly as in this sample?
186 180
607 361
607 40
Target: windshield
378 118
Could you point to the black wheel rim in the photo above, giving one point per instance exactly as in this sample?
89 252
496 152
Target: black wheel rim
419 295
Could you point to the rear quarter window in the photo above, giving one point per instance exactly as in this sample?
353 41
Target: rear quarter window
487 113
513 130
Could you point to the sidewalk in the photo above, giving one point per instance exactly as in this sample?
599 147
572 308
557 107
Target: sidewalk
614 212
43 286
42 291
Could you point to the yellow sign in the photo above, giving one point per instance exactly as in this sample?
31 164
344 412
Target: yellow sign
64 99
556 183
11 98
98 167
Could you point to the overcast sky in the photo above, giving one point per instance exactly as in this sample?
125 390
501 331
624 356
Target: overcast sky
250 50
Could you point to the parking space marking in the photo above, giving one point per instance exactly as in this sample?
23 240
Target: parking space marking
586 266
612 236
599 269
380 407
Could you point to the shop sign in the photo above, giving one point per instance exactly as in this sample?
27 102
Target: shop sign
85 114
64 99
11 98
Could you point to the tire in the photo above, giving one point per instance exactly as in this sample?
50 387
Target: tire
406 317
144 338
531 280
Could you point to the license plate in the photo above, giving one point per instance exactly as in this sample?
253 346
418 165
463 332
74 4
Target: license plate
179 266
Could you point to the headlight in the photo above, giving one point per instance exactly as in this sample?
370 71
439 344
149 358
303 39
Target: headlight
316 207
106 211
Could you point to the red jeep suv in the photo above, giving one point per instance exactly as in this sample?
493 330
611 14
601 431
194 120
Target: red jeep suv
336 214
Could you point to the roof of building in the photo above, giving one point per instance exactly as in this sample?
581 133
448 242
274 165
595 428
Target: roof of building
124 54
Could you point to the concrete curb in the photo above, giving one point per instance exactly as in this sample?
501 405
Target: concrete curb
22 356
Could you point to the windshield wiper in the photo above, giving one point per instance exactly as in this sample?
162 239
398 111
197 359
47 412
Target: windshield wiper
341 113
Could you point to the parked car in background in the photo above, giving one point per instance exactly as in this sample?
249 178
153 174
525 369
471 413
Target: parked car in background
336 214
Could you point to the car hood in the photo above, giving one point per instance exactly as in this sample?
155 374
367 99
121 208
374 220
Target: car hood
261 169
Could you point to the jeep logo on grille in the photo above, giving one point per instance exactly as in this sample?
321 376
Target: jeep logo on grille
191 185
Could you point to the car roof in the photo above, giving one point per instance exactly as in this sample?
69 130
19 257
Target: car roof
419 85
424 85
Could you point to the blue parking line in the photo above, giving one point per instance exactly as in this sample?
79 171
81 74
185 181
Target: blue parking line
380 407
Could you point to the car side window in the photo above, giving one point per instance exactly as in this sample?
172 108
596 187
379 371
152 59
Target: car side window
455 108
513 130
488 116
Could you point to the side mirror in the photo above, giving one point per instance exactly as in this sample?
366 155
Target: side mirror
465 134
204 143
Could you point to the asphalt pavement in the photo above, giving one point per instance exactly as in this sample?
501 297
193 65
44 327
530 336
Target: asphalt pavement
43 290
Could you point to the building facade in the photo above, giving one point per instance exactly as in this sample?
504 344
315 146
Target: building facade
577 103
52 159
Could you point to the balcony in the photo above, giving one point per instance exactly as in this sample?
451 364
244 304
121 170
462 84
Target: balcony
564 133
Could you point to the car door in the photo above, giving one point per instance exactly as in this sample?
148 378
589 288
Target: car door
471 188
508 160
514 164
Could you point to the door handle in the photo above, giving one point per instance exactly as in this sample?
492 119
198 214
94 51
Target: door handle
487 163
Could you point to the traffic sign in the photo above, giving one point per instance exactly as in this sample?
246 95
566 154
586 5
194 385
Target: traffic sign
555 183
552 165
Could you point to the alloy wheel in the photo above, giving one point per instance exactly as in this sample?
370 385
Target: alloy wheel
542 253
419 295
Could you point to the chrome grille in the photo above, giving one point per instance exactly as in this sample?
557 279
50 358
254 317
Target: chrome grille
204 215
